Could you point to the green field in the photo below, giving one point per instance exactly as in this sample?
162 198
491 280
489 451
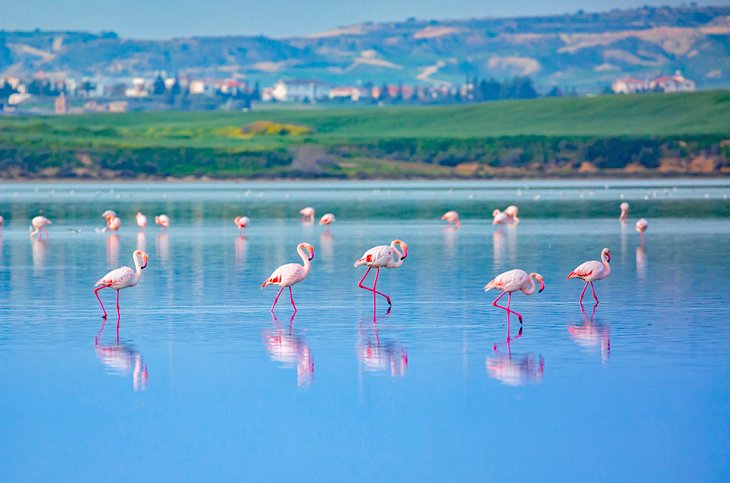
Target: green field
511 136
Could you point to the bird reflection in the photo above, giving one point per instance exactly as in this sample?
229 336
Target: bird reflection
327 246
504 244
514 370
450 235
163 246
122 359
286 347
377 356
40 253
641 260
589 334
241 249
112 250
142 240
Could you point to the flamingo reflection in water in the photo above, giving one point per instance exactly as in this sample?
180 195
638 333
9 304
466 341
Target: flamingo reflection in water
590 335
112 250
122 359
514 370
241 248
289 349
381 357
39 249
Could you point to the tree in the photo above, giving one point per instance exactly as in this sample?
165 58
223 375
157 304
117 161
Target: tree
256 92
159 88
490 90
525 89
383 95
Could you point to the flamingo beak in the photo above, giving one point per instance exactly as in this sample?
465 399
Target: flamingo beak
542 287
311 254
144 262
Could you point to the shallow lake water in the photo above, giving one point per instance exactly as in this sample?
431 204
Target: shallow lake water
201 383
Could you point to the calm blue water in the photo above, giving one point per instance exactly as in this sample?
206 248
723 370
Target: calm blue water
203 384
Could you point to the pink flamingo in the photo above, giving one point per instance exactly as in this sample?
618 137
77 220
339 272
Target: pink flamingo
120 278
163 221
327 219
624 211
141 220
641 226
591 271
379 257
451 217
113 222
512 281
38 225
241 222
307 214
499 217
511 212
291 273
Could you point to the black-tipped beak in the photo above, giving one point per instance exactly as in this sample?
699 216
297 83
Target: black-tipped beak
144 265
541 289
311 258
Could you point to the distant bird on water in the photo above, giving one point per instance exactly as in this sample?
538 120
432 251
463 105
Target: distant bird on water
122 278
624 211
452 218
642 225
291 273
511 212
591 271
512 281
327 219
38 226
113 222
307 214
141 220
382 256
241 222
163 221
499 217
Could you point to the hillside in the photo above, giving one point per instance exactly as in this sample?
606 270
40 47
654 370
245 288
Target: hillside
587 50
675 134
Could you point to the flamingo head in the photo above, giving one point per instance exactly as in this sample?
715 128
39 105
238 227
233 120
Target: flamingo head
144 256
624 206
309 248
495 212
108 214
403 246
607 254
540 280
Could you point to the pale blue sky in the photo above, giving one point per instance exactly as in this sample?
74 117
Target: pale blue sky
277 18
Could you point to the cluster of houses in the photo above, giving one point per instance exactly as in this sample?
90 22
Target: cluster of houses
665 83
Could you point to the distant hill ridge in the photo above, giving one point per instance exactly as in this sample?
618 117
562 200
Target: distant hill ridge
585 50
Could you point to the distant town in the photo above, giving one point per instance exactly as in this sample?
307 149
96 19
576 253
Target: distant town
43 94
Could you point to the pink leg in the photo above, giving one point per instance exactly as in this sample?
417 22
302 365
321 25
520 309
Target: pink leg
119 312
291 298
580 301
509 298
276 299
374 286
594 293
509 301
96 292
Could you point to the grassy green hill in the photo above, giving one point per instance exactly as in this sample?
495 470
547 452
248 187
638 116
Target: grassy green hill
559 133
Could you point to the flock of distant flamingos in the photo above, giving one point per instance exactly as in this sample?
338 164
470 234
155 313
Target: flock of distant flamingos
381 256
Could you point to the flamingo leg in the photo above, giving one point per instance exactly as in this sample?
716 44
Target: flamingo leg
96 292
580 301
119 312
291 297
375 286
507 309
509 301
594 293
373 289
276 299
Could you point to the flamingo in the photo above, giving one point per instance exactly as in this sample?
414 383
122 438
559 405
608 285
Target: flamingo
163 221
379 257
38 225
511 212
141 220
500 217
452 217
512 281
241 222
591 271
120 278
108 213
642 225
327 219
307 214
624 211
113 222
291 273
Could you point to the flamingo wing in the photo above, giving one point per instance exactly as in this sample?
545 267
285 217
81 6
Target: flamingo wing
376 256
286 275
508 281
586 269
114 277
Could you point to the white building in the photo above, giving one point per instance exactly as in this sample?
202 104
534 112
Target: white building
300 91
630 85
138 89
345 93
674 83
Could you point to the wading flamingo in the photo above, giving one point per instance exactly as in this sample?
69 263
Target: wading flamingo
591 271
624 211
163 221
382 257
642 225
241 222
307 214
141 220
512 281
451 217
120 278
511 212
38 225
291 273
113 222
499 217
327 219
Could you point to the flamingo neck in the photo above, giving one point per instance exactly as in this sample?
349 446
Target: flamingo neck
531 289
305 258
137 264
606 265
399 254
